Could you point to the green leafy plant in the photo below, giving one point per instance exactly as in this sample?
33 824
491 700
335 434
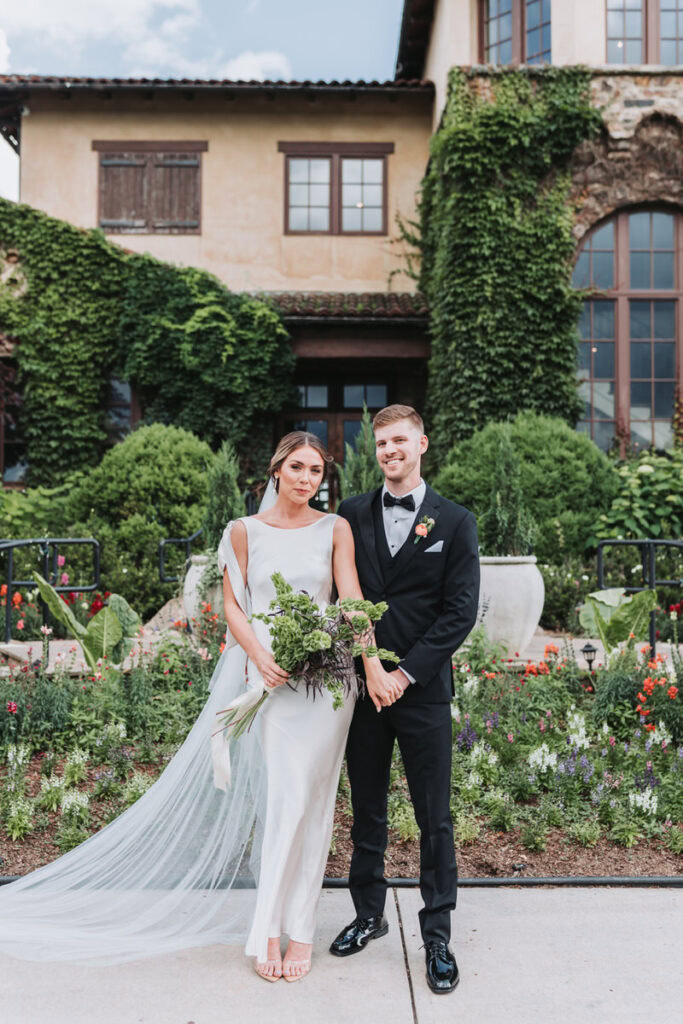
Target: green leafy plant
586 833
506 527
567 482
84 309
110 633
649 502
360 472
615 617
150 486
225 500
496 247
19 818
75 767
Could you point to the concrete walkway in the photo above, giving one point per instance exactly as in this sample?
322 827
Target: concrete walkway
541 956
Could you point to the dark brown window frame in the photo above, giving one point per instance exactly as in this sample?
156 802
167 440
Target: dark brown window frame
651 33
335 151
104 146
518 33
622 294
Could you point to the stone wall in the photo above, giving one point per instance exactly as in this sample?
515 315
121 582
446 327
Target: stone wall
638 158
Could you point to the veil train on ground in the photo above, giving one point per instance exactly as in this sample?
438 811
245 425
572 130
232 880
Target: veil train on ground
175 870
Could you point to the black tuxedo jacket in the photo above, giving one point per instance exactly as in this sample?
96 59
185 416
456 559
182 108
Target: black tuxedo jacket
432 596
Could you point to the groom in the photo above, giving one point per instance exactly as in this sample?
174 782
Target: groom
417 551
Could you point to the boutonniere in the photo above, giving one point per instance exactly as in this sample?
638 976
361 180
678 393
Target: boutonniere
423 528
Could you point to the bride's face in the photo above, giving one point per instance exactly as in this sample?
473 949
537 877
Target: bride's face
301 475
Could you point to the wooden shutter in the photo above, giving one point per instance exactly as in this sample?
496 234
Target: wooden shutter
123 191
175 192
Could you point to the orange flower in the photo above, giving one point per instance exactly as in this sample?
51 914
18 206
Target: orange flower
645 711
17 599
672 692
550 649
650 725
3 590
642 698
421 530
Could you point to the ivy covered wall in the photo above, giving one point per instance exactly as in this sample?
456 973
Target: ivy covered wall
82 309
496 248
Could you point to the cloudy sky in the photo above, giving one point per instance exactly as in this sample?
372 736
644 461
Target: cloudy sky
247 39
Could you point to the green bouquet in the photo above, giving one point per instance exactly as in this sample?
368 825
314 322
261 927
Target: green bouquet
315 646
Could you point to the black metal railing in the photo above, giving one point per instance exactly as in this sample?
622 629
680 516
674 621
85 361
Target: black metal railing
49 547
251 502
648 553
185 542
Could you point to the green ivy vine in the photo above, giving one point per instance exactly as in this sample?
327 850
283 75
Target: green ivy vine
496 246
198 355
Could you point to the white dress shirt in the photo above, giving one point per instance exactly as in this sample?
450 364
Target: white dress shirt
397 524
398 520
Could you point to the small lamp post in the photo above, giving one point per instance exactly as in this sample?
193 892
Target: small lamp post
589 653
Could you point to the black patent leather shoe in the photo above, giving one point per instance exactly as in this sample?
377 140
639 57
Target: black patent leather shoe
442 970
356 935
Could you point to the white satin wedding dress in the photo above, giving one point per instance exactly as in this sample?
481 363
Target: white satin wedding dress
209 854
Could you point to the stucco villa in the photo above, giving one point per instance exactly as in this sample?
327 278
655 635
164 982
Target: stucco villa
295 189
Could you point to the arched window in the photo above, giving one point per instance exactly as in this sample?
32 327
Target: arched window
631 355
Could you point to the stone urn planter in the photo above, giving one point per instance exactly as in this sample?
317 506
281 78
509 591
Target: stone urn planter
191 589
511 599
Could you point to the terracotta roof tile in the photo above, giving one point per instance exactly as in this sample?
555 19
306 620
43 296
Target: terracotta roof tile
354 305
66 82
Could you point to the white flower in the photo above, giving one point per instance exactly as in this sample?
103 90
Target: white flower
455 712
471 684
646 801
46 630
84 604
124 570
53 782
204 654
77 756
585 578
541 758
474 779
645 467
605 728
576 727
73 798
636 568
480 753
661 734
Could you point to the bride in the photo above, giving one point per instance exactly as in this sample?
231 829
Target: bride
196 861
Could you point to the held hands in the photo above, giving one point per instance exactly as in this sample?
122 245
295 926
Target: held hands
271 673
384 688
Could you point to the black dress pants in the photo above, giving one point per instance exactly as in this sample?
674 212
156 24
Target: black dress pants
424 735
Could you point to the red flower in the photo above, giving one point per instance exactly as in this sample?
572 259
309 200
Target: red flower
672 692
12 707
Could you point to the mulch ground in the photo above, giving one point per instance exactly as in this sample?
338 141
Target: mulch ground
494 854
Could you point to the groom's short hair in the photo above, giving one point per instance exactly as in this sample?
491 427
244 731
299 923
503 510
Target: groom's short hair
393 413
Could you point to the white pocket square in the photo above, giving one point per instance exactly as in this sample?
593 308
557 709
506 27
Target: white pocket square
435 547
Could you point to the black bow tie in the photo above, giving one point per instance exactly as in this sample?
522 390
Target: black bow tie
407 502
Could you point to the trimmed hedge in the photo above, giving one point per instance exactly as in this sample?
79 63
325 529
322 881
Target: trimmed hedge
567 481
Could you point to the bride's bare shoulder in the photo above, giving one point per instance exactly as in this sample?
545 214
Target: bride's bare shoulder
238 537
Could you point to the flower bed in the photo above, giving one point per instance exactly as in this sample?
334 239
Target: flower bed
554 771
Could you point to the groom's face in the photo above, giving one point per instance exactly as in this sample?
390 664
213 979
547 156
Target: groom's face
399 447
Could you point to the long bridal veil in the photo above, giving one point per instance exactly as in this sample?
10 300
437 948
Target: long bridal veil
177 869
